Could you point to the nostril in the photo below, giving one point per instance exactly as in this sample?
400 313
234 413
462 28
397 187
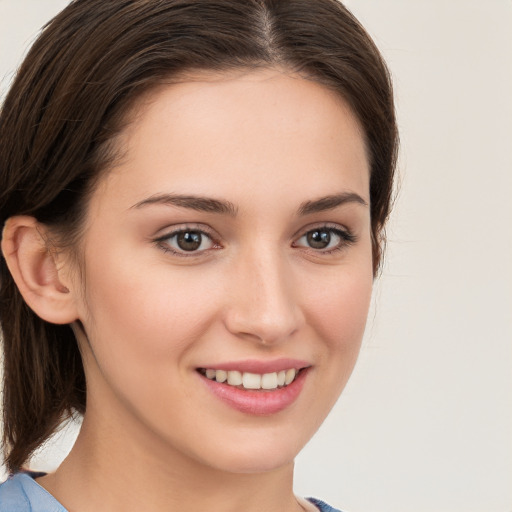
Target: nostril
265 329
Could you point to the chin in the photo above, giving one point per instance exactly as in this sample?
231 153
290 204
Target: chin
252 463
257 453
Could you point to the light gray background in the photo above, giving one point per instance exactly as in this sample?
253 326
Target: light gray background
425 423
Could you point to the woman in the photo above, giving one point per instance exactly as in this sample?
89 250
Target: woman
193 197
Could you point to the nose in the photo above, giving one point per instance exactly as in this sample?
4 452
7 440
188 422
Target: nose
264 305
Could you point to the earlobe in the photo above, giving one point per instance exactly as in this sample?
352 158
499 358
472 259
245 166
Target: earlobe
35 270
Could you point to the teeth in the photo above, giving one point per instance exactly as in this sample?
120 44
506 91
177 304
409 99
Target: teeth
269 381
220 375
253 380
234 378
290 375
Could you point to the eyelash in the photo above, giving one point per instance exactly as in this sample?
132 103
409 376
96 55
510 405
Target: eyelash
346 239
161 242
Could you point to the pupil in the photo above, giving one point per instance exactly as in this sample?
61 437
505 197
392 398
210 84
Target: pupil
189 240
319 239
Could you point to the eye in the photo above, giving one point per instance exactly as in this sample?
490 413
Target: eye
325 239
186 241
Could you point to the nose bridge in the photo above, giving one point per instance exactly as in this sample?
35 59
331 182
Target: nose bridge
264 304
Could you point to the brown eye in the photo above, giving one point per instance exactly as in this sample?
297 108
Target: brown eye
189 240
186 241
325 239
318 239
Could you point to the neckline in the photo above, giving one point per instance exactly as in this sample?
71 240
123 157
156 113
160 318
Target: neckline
27 475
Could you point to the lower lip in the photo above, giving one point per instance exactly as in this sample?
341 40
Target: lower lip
257 402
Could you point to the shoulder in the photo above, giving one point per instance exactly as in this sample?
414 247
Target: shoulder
21 493
322 506
13 496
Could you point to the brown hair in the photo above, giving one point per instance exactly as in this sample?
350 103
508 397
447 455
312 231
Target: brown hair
67 102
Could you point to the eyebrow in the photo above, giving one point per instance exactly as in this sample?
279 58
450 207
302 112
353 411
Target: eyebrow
210 205
202 204
330 202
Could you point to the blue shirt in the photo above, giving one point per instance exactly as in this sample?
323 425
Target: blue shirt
21 493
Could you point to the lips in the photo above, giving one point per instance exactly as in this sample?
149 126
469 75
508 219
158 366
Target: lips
256 387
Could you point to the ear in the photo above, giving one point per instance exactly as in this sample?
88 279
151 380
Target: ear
42 278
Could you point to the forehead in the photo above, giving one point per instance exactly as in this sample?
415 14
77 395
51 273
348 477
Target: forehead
234 132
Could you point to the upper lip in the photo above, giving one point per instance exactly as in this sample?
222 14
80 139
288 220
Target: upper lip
259 366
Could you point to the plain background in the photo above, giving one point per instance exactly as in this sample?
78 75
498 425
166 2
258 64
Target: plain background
425 423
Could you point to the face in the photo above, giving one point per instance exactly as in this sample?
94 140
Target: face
232 242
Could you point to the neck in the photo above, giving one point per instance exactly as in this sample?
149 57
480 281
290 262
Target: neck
125 471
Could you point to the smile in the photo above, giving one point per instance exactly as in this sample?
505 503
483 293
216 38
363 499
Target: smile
252 381
256 387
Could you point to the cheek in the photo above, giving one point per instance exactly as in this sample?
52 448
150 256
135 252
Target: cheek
146 312
339 308
337 314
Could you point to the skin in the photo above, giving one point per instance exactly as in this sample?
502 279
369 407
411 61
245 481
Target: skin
154 437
